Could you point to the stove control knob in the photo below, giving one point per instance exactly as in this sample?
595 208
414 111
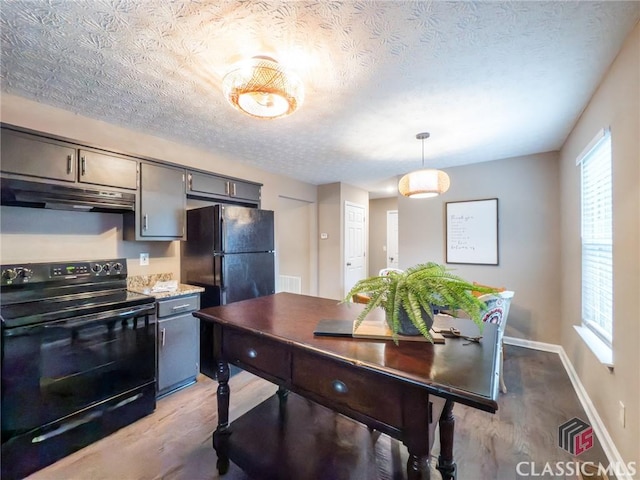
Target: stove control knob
96 268
25 273
106 267
9 274
117 267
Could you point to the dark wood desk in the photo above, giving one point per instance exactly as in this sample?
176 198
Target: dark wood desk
402 390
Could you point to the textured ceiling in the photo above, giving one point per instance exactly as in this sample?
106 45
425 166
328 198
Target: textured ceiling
488 80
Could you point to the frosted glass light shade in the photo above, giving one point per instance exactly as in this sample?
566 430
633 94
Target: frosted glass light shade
260 87
424 183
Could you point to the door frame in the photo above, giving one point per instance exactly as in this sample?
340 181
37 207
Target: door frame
344 243
389 212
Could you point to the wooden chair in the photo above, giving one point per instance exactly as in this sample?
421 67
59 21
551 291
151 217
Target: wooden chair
387 271
497 312
360 298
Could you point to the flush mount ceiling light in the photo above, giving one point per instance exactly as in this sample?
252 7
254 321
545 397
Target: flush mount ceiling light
262 88
424 183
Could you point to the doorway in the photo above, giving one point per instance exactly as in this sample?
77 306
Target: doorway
294 247
392 239
354 244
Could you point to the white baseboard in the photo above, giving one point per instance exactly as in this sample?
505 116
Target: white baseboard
521 342
610 450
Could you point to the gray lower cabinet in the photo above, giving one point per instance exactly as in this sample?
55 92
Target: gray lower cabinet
178 343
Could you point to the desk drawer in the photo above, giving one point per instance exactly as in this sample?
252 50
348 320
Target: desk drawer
343 385
265 355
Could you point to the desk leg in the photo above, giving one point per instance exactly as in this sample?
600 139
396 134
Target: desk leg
418 467
221 435
283 393
446 465
417 414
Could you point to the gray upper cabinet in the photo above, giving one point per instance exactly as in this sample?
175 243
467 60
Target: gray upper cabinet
25 154
161 209
248 191
45 158
204 185
109 170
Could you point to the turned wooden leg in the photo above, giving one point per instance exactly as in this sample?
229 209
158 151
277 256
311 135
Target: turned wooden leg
417 420
446 465
221 435
418 467
282 393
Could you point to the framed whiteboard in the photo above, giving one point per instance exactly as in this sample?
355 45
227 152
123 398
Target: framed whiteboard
472 232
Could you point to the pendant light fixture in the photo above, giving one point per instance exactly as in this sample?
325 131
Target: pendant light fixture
424 183
262 88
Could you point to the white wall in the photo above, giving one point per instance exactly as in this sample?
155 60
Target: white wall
295 239
378 232
331 203
26 234
616 103
528 238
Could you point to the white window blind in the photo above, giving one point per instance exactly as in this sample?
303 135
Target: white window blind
597 237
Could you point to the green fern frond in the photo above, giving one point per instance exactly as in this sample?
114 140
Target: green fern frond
416 291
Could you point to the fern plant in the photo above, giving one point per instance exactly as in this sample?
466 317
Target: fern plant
416 291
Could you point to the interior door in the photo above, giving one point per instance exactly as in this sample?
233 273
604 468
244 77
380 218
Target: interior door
392 239
354 245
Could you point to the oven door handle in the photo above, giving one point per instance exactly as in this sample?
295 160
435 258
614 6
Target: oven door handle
137 311
65 427
87 319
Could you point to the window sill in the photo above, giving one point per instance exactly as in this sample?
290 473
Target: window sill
601 350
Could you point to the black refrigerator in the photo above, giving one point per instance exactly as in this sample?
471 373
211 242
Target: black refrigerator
229 252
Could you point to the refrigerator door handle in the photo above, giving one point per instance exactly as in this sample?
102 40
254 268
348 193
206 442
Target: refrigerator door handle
223 233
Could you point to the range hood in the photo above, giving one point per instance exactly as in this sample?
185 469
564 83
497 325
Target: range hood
23 193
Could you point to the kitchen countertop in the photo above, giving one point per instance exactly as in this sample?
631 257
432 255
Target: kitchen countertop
144 284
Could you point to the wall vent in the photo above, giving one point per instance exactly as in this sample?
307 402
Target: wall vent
289 283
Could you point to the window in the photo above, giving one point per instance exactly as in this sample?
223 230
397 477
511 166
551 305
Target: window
597 235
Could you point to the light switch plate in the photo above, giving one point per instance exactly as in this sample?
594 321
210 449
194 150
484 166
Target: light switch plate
144 259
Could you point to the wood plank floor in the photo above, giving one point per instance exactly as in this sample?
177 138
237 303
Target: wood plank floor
175 441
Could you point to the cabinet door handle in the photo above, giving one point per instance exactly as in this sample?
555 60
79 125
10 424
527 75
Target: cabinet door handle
233 189
190 177
251 353
163 334
227 188
145 221
83 166
178 307
69 163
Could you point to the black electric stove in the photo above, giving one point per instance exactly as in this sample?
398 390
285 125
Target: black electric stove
78 358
